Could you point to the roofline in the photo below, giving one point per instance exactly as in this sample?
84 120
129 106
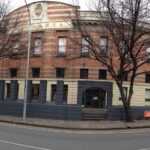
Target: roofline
46 1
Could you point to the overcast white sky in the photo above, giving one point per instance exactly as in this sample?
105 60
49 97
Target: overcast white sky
84 4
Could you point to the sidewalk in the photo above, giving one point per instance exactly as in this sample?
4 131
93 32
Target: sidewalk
77 125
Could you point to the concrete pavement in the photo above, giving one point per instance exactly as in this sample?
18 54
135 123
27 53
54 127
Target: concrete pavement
77 125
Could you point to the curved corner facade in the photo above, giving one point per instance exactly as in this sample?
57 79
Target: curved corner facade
63 81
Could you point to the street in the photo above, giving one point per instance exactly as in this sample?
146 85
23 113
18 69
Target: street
17 137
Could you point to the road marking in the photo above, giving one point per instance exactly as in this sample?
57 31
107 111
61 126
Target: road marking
23 145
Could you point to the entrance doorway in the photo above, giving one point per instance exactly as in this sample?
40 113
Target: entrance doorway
94 98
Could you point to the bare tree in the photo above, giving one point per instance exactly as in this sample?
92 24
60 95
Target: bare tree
125 23
11 32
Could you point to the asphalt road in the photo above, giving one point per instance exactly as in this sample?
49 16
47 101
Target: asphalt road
15 137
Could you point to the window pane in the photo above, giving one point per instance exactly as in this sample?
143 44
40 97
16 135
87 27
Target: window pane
83 73
65 94
60 72
125 90
102 74
62 45
35 91
37 46
85 46
7 90
13 72
15 46
147 94
35 72
147 78
103 42
103 45
53 92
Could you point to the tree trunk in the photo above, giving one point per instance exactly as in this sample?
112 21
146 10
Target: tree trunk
128 113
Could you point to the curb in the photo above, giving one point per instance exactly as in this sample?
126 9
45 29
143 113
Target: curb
70 128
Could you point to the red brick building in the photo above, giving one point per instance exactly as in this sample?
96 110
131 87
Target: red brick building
63 80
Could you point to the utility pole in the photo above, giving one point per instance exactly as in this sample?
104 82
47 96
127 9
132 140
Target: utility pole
27 64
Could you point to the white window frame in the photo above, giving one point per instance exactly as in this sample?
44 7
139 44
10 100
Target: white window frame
37 46
15 46
85 45
62 44
103 43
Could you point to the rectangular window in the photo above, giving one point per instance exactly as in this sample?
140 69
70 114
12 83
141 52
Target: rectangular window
85 45
37 46
65 94
83 73
7 90
125 90
148 52
102 74
123 76
53 92
60 72
62 42
147 78
15 46
147 95
103 45
35 72
35 92
13 72
123 49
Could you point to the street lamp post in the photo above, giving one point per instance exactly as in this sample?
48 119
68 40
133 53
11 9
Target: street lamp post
27 64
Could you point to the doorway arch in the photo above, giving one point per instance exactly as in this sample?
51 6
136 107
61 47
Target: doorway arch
103 85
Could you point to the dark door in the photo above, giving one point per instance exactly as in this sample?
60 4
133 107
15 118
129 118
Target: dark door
94 98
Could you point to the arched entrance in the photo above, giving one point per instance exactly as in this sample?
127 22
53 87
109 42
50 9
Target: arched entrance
94 98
